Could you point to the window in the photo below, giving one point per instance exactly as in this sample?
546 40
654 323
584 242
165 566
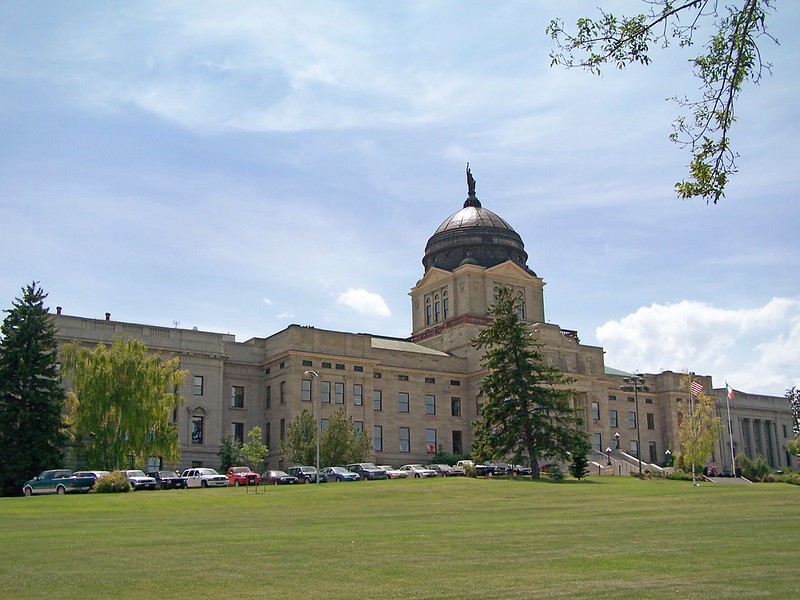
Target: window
430 380
651 421
520 305
437 309
323 424
339 367
308 363
455 407
198 429
402 377
283 392
358 368
283 430
358 394
377 438
430 404
358 427
377 400
598 442
635 448
269 396
455 382
430 441
402 402
405 439
428 314
612 418
338 392
237 396
612 398
457 445
653 453
268 434
305 390
648 401
198 385
282 365
446 304
596 411
237 431
325 391
631 399
376 375
631 420
326 365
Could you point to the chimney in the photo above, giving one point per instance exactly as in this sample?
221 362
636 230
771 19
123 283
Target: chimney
108 316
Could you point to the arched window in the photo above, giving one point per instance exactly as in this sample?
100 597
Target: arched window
437 308
428 311
446 305
520 304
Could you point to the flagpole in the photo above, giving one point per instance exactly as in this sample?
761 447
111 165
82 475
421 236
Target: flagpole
728 394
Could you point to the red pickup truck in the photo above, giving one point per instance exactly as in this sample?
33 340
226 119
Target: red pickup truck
243 476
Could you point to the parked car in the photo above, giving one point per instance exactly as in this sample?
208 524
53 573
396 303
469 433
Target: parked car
418 471
94 474
204 477
243 476
305 474
140 481
168 480
446 470
520 470
502 468
367 471
392 473
57 481
278 478
336 474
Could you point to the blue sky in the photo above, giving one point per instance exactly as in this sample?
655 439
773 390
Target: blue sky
242 166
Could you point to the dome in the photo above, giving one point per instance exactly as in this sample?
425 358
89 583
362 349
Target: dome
474 235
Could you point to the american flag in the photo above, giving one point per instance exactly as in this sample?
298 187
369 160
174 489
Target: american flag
697 387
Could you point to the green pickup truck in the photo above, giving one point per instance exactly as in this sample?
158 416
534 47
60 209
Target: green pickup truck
57 481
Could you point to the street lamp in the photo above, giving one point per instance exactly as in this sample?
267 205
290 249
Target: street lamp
635 384
608 456
319 415
667 457
616 440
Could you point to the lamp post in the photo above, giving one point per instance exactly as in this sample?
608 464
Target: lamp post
616 440
317 423
635 384
667 458
608 456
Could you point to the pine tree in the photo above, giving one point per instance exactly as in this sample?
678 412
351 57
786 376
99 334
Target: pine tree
579 468
527 409
32 428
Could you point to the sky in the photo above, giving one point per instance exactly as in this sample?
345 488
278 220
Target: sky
239 167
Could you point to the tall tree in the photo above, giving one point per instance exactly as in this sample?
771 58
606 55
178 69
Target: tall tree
123 398
730 59
341 443
32 427
793 396
527 409
699 428
254 451
301 439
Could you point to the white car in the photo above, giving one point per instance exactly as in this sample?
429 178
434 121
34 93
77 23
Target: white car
418 471
140 481
392 473
204 477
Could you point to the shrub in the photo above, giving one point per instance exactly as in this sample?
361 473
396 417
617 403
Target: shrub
112 483
679 475
555 473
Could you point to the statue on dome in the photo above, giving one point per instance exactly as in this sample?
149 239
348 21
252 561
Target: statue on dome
470 182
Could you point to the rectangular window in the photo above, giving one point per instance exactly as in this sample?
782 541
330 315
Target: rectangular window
631 419
237 396
339 366
323 424
457 445
377 400
358 427
283 392
430 404
405 439
198 429
268 434
598 442
651 421
455 407
631 399
308 363
612 398
198 385
653 452
326 365
283 430
402 402
282 365
237 431
635 448
338 392
612 418
430 441
596 411
648 401
358 394
377 438
358 368
402 377
325 391
305 390
455 382
430 380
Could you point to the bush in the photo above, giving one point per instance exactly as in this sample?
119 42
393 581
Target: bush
112 483
555 473
754 470
679 475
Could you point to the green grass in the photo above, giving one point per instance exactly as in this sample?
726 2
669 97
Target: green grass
459 538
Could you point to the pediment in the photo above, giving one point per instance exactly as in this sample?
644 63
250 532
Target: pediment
510 269
433 277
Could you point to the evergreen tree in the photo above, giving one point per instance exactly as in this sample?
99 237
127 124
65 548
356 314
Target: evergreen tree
579 468
229 453
32 427
527 409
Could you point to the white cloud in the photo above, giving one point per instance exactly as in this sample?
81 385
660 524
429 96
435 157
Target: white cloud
755 349
364 302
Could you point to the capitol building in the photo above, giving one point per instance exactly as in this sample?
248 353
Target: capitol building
418 394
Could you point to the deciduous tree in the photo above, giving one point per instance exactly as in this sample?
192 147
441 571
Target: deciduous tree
731 58
253 451
699 429
341 443
32 426
527 401
123 398
301 439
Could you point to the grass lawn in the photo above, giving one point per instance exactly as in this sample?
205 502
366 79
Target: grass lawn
612 537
